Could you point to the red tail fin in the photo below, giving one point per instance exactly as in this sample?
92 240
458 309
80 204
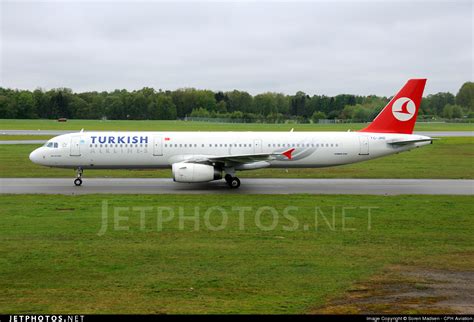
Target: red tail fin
399 116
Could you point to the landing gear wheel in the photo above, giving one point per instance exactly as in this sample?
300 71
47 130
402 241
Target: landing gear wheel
234 183
228 178
78 180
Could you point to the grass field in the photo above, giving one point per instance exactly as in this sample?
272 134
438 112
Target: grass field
450 157
90 125
53 258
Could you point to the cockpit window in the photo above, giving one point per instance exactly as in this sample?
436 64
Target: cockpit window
51 145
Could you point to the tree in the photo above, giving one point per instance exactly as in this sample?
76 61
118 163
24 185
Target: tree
189 99
26 108
6 110
298 104
114 108
239 101
80 108
452 111
465 96
318 115
166 107
265 104
59 100
200 112
435 103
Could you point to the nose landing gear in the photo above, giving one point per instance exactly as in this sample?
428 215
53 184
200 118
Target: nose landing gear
78 180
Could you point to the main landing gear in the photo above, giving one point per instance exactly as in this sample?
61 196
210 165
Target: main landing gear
78 180
233 182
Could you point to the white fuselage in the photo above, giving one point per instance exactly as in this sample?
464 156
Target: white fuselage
127 150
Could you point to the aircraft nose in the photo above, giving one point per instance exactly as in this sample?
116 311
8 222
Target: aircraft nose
34 156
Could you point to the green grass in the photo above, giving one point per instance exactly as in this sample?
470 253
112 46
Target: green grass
53 260
90 125
451 157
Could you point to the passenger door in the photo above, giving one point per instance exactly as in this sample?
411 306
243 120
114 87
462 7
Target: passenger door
75 146
363 145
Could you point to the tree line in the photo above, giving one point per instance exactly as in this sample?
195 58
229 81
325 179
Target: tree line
151 104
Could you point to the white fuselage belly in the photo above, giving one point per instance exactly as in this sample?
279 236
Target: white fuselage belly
129 150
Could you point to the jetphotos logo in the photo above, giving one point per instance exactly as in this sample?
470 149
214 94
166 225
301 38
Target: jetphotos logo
403 109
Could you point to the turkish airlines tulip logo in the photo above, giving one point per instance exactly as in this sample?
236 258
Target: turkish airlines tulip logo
403 109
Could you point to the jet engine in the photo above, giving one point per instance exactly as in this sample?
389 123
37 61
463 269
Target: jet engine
195 172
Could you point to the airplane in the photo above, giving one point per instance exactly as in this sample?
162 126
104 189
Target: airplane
207 156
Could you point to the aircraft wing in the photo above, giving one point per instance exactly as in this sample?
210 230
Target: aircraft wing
242 158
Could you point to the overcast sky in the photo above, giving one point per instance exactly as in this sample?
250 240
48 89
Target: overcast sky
369 47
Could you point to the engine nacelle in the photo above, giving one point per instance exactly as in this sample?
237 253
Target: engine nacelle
194 172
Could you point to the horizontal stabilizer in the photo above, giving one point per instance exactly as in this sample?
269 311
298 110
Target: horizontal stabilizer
405 142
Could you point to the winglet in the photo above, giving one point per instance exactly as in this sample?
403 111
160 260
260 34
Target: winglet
288 153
